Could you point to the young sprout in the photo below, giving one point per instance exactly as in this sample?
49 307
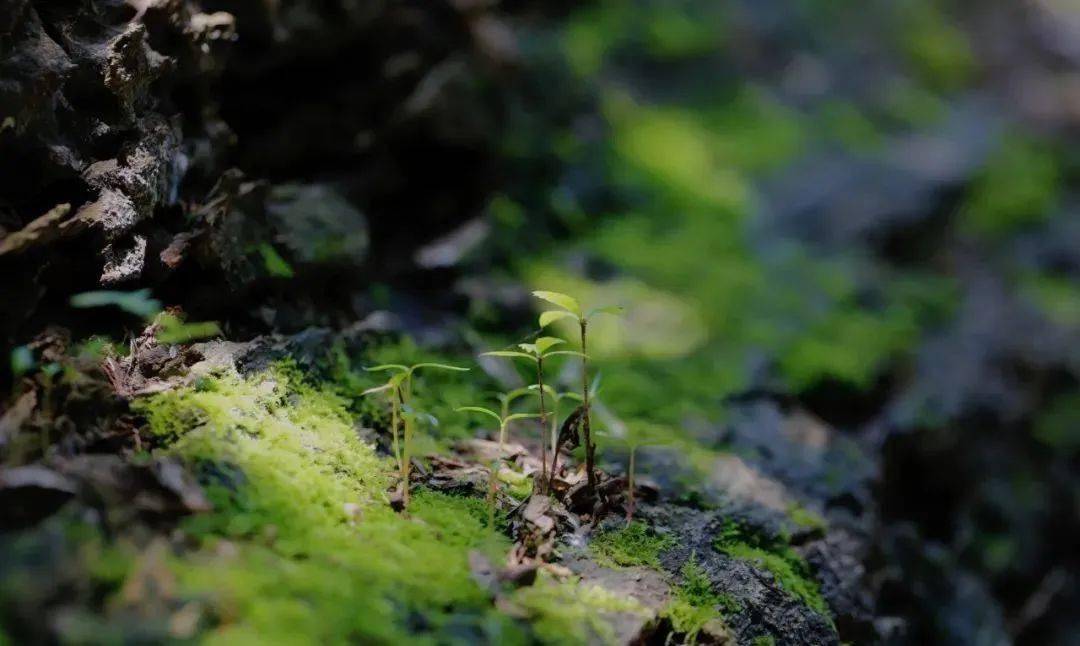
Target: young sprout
503 420
635 436
571 309
536 352
399 387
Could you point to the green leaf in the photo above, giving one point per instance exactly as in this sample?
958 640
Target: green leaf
388 366
480 409
528 347
613 310
544 343
275 265
509 353
575 396
551 316
562 300
138 302
440 366
172 330
510 418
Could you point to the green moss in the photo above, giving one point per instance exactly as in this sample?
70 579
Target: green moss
696 605
301 536
763 640
938 50
1018 187
791 571
573 612
635 544
806 519
1056 296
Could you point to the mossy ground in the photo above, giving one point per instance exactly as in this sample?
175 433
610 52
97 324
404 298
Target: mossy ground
302 547
776 556
695 605
634 544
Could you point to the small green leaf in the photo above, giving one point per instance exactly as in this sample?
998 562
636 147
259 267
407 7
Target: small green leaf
551 316
509 353
575 396
440 366
562 300
275 265
388 366
544 343
480 409
528 347
138 302
613 310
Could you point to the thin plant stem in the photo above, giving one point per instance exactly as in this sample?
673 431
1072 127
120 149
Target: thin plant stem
590 450
543 425
630 487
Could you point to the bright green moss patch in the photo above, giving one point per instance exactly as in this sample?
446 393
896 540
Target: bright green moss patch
791 571
573 612
301 545
696 605
634 544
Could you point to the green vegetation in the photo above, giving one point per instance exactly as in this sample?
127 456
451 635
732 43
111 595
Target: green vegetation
777 557
573 612
536 352
301 535
635 544
696 605
400 389
1019 187
571 310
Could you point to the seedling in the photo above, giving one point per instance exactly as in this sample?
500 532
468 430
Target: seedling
536 352
399 387
571 309
634 437
503 420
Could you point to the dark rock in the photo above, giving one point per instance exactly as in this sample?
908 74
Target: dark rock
29 494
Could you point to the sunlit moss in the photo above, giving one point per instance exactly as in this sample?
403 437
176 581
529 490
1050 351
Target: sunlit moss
301 536
634 544
573 611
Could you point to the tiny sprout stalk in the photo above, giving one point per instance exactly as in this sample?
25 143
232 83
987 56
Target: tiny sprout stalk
590 449
543 426
492 490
